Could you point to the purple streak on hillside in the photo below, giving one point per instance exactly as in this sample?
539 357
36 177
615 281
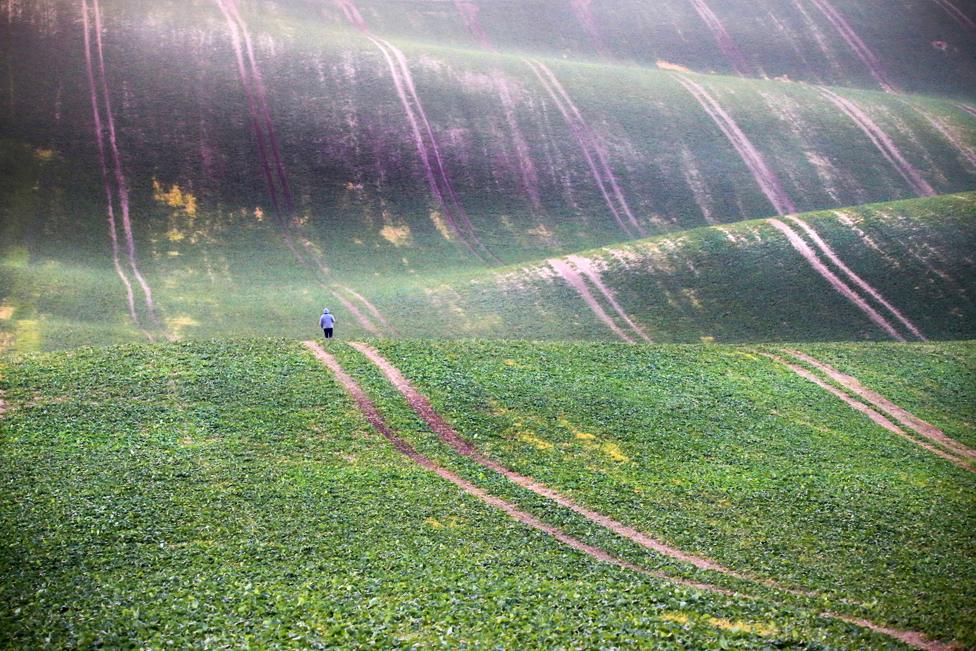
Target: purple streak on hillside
958 15
530 180
120 181
964 150
831 255
839 285
103 165
469 14
261 95
428 150
863 52
725 42
235 36
881 140
573 278
968 109
585 16
594 153
765 178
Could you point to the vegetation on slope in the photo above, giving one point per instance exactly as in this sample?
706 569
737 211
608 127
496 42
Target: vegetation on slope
228 494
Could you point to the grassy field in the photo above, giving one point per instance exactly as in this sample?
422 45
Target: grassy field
228 494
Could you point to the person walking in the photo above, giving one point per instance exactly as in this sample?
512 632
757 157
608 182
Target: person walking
327 323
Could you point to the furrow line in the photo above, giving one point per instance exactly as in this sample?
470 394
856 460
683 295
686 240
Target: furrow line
722 37
839 285
856 279
900 414
875 417
854 41
881 140
574 280
587 269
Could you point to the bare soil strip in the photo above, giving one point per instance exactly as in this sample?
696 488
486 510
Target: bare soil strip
870 413
574 280
372 414
586 267
900 414
375 419
839 285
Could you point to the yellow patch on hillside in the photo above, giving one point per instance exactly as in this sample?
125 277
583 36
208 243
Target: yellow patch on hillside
510 362
742 627
44 154
175 197
534 441
27 336
613 451
542 232
441 225
667 65
677 618
178 324
707 340
175 235
6 311
584 436
433 522
397 235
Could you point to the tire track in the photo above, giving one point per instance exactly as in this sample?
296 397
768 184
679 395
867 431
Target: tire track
121 184
427 148
853 277
958 15
722 37
586 268
900 414
765 178
839 285
373 416
273 169
368 409
854 41
875 416
881 140
103 166
596 156
572 278
584 14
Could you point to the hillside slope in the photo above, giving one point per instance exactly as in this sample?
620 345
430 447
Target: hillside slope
231 491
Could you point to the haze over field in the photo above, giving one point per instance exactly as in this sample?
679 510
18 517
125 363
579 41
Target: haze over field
655 324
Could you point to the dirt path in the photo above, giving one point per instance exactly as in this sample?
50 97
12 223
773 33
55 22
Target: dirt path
831 255
853 40
574 280
901 415
586 267
722 37
373 416
839 285
870 413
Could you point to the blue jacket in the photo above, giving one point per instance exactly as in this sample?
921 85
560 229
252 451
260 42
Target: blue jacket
326 320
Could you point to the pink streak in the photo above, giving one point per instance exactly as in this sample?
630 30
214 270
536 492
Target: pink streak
765 178
881 140
121 184
867 411
373 416
903 416
722 37
863 52
352 14
957 14
587 269
967 109
947 133
595 157
469 14
574 280
583 14
261 94
834 281
853 277
530 180
106 182
369 306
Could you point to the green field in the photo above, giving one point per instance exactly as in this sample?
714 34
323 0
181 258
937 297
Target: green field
656 324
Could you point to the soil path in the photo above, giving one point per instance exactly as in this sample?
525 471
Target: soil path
372 414
587 269
839 285
901 415
831 255
574 280
870 413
